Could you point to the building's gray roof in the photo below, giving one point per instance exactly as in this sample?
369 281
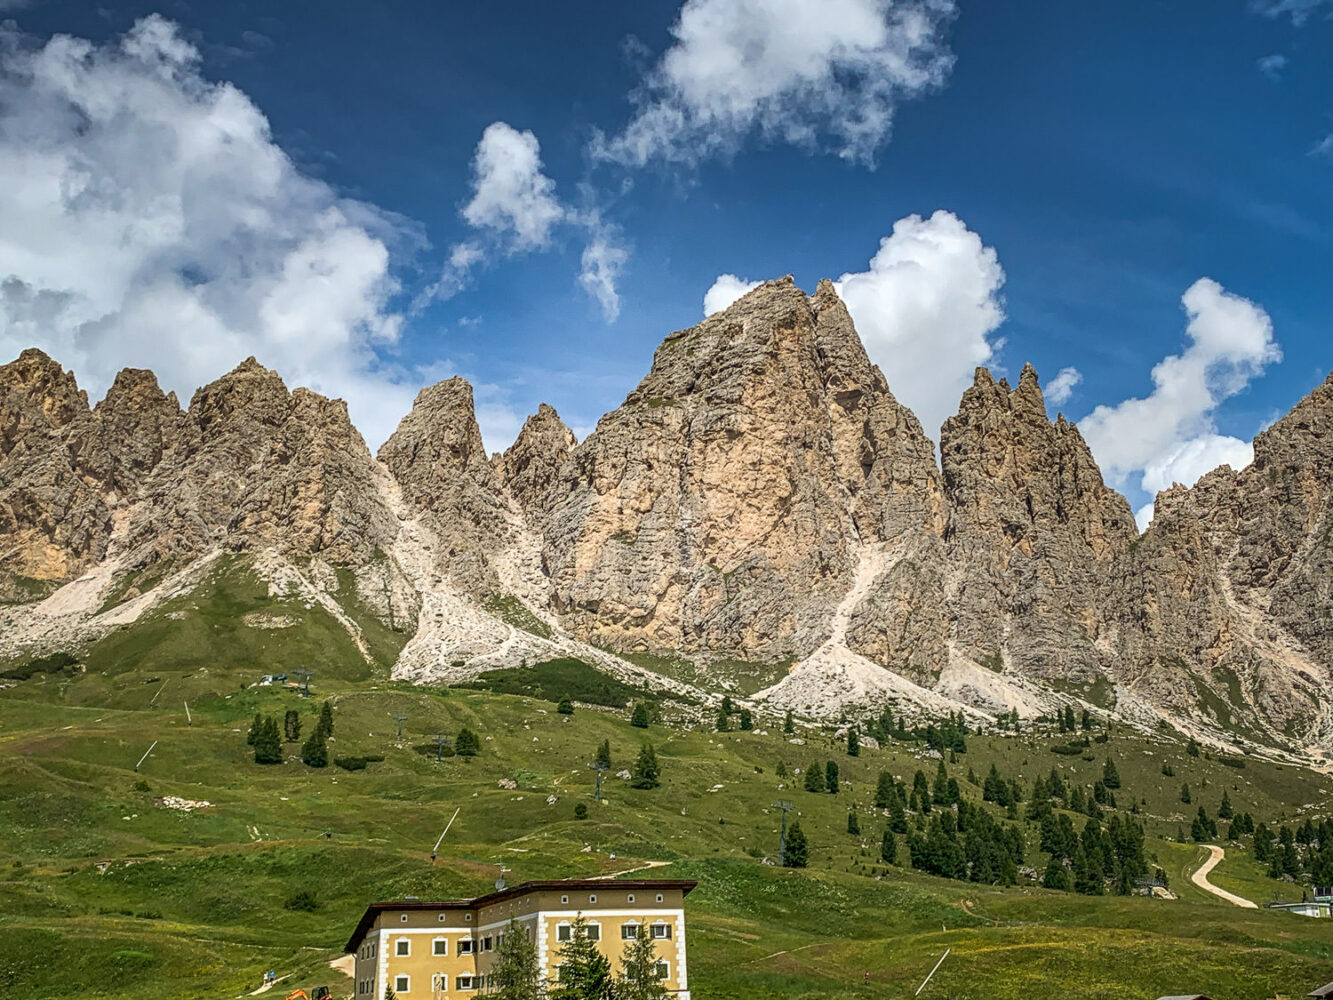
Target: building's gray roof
1185 996
1324 991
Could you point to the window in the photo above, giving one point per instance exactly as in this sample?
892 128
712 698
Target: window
629 932
440 946
629 898
401 984
663 971
487 943
659 897
564 932
442 918
402 947
467 916
661 932
564 899
465 983
403 918
593 932
592 898
466 946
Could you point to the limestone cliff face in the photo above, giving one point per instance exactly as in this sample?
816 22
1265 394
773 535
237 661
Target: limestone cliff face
1032 532
52 522
530 469
718 509
438 458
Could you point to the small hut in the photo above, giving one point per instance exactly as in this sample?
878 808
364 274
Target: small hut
1323 993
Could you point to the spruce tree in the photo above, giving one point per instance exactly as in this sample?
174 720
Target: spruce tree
516 974
291 725
814 778
788 723
325 718
315 751
885 790
1110 776
853 824
727 707
646 769
638 978
1224 811
1057 875
747 720
781 769
268 742
888 848
723 720
640 717
798 848
604 754
831 777
853 743
1185 793
939 790
566 706
897 815
585 974
255 728
466 743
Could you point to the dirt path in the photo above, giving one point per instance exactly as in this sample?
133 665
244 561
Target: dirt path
630 871
1200 878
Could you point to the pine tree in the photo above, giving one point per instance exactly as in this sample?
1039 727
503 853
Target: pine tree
781 769
255 728
640 717
516 974
604 754
939 790
723 720
1185 793
291 725
315 751
646 769
831 777
727 707
1086 721
325 718
1057 876
788 723
888 848
747 720
585 974
1110 776
853 743
1224 811
1193 748
565 707
466 743
897 816
853 824
268 742
638 978
389 994
798 848
814 778
885 790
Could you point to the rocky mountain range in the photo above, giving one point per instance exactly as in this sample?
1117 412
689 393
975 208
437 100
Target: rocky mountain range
760 498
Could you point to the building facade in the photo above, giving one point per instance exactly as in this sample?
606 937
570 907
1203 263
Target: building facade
446 948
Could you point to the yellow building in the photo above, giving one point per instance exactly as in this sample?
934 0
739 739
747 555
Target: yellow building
433 950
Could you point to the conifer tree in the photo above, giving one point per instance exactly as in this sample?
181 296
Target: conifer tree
1057 876
516 974
814 778
1224 811
1110 776
885 790
853 824
888 848
268 742
747 720
325 718
566 706
788 723
1185 793
255 728
723 720
798 848
466 743
853 743
647 771
727 706
640 717
939 790
291 725
315 751
585 974
604 754
638 978
897 816
781 769
831 777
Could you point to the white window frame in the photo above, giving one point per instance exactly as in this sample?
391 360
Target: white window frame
467 946
664 927
564 900
564 932
629 930
438 951
402 948
594 929
660 897
402 919
399 979
465 982
592 898
629 898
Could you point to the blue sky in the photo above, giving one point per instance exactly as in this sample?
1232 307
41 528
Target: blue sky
1095 163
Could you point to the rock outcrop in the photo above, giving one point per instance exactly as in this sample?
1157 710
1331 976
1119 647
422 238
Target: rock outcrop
530 469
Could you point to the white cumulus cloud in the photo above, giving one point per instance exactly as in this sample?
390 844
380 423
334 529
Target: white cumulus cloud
816 75
514 209
1063 385
1171 435
726 290
926 309
1298 10
1272 66
150 220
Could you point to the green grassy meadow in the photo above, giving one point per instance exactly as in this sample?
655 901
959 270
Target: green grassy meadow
104 892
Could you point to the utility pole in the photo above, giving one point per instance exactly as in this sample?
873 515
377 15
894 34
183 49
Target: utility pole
600 769
786 807
306 675
440 742
400 719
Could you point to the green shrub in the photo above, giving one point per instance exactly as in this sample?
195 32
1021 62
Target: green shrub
302 901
